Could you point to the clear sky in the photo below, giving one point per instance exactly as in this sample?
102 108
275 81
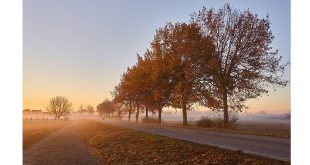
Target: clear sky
79 48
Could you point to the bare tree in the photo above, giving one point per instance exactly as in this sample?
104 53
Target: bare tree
81 109
59 106
90 109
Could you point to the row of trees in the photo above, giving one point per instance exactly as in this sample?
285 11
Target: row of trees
89 109
60 106
106 108
219 59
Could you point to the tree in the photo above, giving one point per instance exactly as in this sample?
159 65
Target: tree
165 75
124 92
106 108
118 109
136 88
81 109
243 64
161 70
99 109
142 84
146 83
59 106
186 49
90 109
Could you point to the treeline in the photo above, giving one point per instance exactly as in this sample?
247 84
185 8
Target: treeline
219 59
89 109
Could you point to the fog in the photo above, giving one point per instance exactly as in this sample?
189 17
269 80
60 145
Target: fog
174 116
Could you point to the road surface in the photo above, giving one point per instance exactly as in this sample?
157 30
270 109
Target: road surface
63 147
272 147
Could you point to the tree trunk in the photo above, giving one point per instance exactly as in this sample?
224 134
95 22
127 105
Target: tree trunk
226 120
146 113
137 114
184 102
159 115
130 107
129 115
184 114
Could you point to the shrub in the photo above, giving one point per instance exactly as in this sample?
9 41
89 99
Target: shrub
217 122
204 122
233 118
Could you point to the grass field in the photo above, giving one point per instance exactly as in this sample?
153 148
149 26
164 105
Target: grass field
34 131
114 145
275 129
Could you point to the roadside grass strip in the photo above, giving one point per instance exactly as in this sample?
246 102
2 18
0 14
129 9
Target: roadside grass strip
115 145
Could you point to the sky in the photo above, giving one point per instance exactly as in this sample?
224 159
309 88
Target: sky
79 49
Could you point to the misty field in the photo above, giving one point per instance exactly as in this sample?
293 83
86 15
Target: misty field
264 128
115 145
34 131
277 129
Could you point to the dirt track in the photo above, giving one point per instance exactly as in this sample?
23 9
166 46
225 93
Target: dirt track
63 147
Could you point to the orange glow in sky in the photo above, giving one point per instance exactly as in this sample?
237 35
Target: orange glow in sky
79 49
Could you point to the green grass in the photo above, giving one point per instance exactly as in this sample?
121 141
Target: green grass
114 145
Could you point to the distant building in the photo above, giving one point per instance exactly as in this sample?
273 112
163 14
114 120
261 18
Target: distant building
36 111
26 110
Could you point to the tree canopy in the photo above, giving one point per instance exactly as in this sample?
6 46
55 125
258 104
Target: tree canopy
105 108
220 59
243 64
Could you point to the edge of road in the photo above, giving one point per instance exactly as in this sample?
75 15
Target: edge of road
205 129
197 128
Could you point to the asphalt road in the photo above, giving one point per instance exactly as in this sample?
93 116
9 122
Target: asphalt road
272 147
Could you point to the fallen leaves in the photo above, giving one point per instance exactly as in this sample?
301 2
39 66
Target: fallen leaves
114 145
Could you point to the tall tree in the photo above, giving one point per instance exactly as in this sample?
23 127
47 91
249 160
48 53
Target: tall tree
161 70
135 90
244 65
143 84
124 92
147 83
188 48
59 106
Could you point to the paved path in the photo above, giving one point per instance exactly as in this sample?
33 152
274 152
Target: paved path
272 147
63 147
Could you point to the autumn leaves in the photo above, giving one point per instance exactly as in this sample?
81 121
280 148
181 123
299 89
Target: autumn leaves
219 59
